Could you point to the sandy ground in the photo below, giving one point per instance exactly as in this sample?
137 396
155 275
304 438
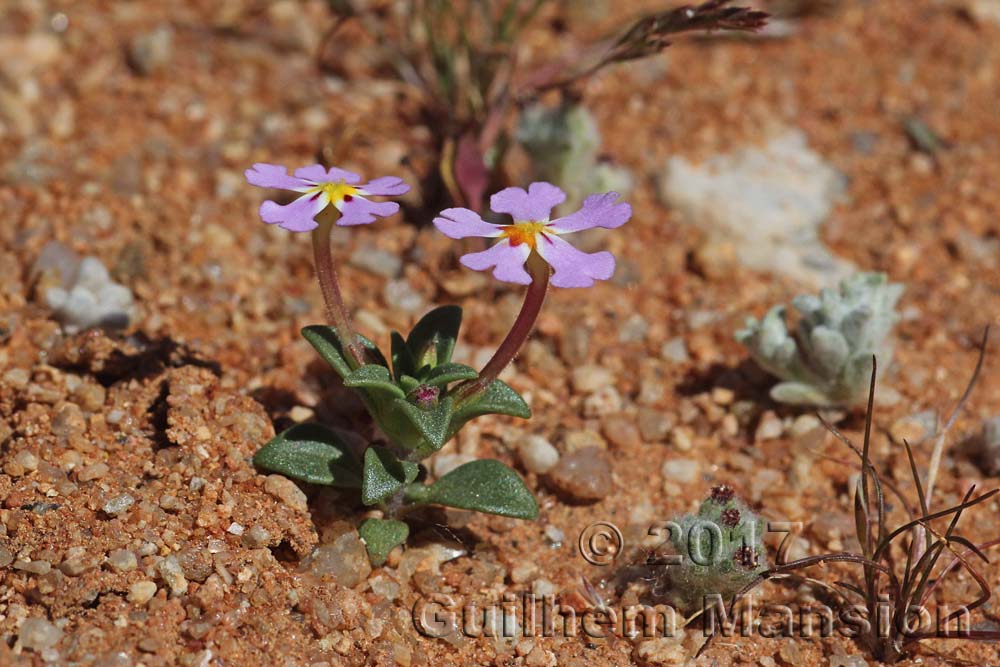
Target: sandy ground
132 520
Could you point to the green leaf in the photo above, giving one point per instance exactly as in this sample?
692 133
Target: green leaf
311 453
433 338
497 399
408 383
433 424
402 358
486 485
325 340
384 475
439 376
373 377
382 536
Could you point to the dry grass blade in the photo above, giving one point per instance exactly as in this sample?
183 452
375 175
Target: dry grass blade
652 34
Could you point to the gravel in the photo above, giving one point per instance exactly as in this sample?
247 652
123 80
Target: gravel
287 492
151 51
173 576
537 454
141 592
583 476
682 471
590 378
344 560
39 634
118 504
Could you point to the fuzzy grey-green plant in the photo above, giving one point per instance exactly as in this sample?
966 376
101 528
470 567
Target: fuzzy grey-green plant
720 550
563 143
827 360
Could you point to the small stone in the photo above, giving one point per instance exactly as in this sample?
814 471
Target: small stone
301 413
589 378
38 634
344 560
6 557
847 661
27 460
523 572
654 425
256 538
118 504
151 51
682 439
377 261
914 429
39 567
666 651
77 562
770 427
621 432
603 402
790 653
173 576
634 329
804 425
400 295
583 475
235 529
92 472
287 492
575 440
443 464
123 560
537 454
675 350
141 592
683 471
723 396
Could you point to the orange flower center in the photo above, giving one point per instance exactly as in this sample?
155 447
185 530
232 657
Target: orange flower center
522 232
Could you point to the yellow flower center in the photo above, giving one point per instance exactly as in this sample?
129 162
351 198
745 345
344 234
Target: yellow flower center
337 192
522 232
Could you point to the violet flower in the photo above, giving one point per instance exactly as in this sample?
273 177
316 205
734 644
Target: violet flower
321 188
526 251
533 233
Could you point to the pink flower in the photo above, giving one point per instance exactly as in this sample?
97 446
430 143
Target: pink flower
532 231
321 188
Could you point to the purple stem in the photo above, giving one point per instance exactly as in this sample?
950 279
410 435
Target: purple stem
518 333
336 311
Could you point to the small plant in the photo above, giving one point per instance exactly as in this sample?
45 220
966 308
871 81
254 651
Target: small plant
417 395
828 359
468 62
563 143
718 551
891 601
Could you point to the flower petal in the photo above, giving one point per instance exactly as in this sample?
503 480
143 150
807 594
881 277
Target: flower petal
535 204
275 176
508 261
296 216
460 223
574 268
360 211
387 186
318 174
597 211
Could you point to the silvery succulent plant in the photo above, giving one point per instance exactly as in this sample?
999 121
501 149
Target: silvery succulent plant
827 360
564 144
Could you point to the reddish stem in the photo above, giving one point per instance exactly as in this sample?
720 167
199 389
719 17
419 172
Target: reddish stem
336 310
518 333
